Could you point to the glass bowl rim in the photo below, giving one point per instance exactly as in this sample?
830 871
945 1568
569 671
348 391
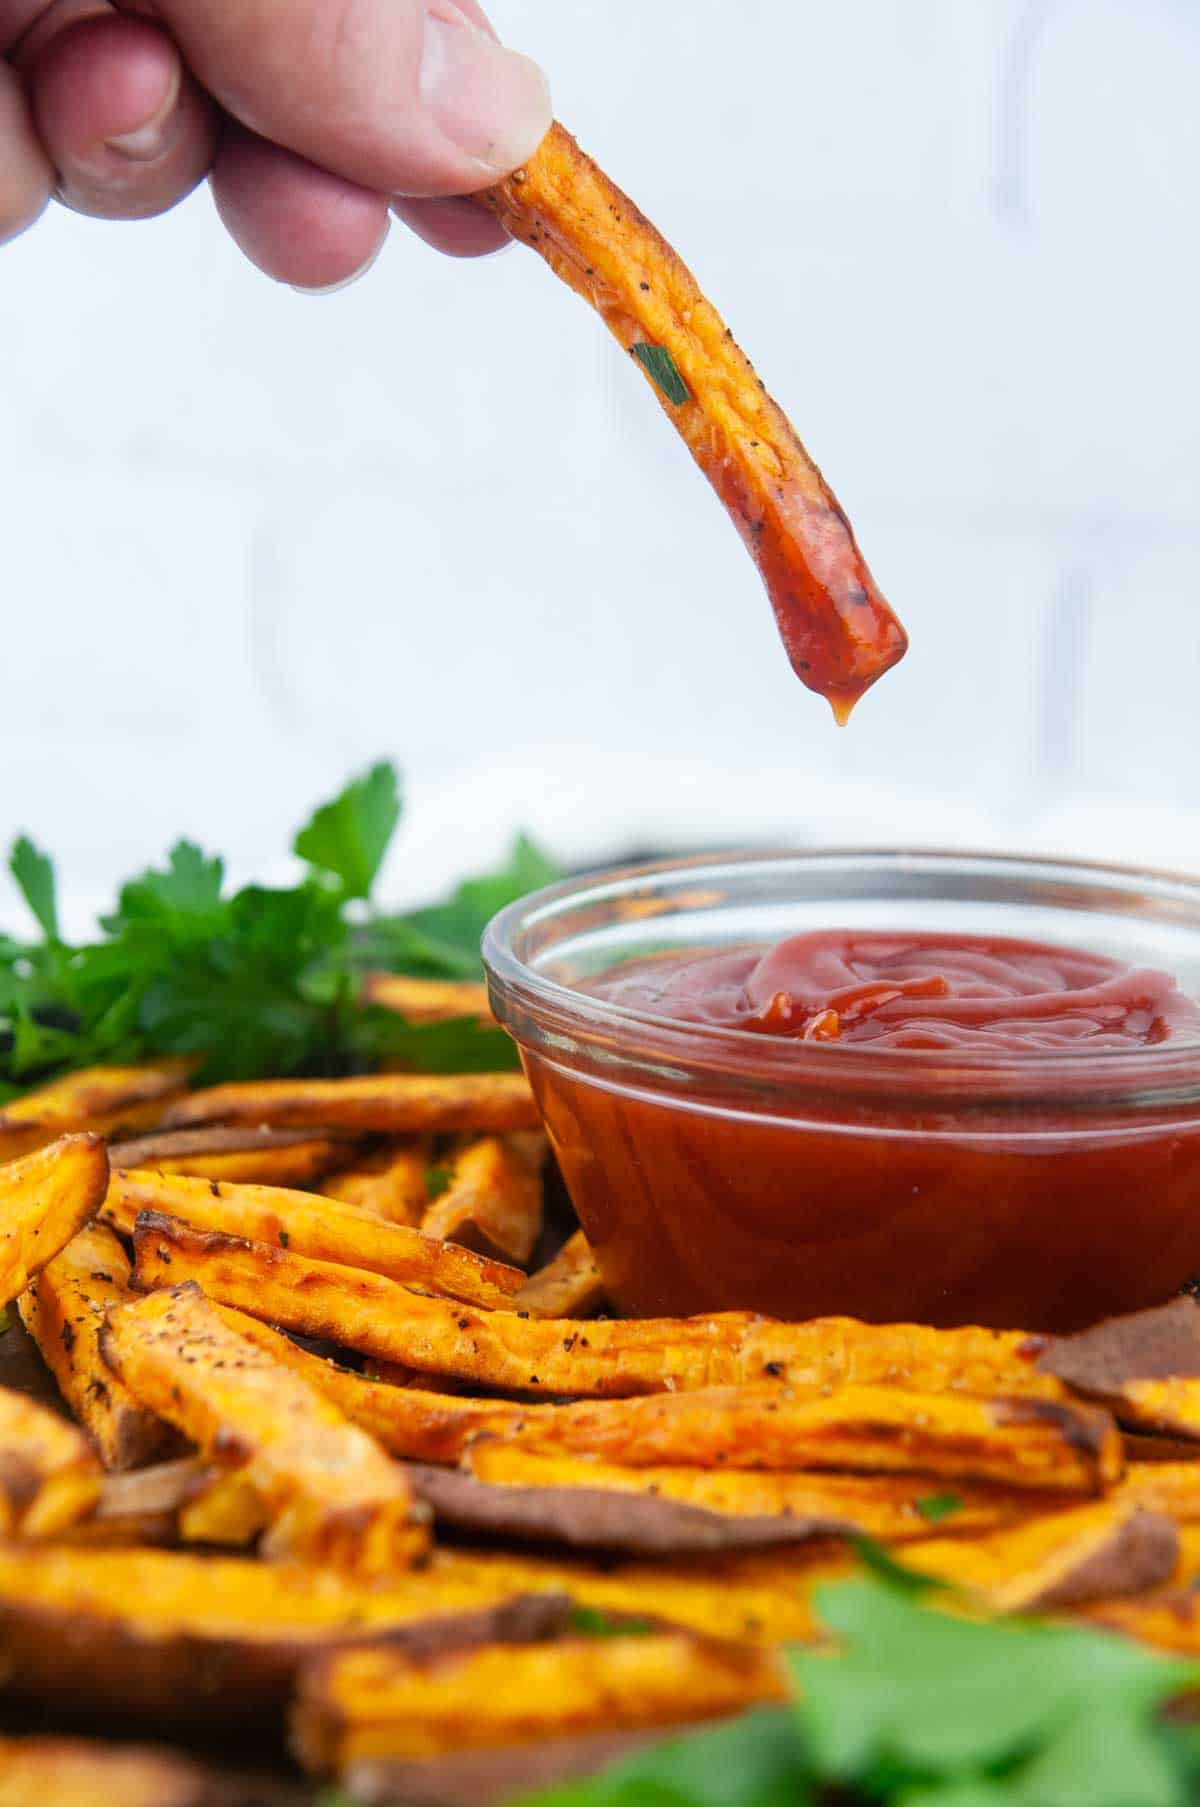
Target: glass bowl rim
775 1060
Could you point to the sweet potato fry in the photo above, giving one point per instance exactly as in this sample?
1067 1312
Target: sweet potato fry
1146 1367
390 1182
1168 1620
1172 1488
1061 1559
265 1157
228 1513
389 1104
428 1000
637 1522
839 633
77 1772
516 1772
46 1197
64 1311
382 1703
493 1201
889 1508
330 1492
563 1356
423 1427
569 1286
313 1226
102 1100
49 1477
177 1638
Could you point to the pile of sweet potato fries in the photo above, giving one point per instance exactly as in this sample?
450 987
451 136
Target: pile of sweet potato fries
337 1470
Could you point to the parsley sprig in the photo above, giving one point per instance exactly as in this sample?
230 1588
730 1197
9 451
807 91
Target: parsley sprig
922 1707
256 982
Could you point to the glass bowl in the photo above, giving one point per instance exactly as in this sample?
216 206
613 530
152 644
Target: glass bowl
715 1169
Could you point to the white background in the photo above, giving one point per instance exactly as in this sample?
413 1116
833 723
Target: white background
253 540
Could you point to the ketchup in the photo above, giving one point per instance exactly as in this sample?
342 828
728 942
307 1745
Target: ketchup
970 992
946 1152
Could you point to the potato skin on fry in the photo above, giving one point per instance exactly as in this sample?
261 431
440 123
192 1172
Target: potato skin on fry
383 1704
314 1226
64 1311
564 1356
839 633
329 1491
263 1157
99 1100
45 1198
383 1103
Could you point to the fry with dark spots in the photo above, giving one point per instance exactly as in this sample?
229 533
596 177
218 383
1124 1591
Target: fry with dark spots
64 1312
569 1286
328 1490
45 1199
565 1357
265 1157
389 1104
316 1226
100 1100
493 1198
390 1181
839 633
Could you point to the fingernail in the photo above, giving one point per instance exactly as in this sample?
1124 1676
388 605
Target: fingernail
150 140
347 282
491 102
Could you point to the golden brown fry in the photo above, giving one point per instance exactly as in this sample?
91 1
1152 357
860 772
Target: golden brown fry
382 1703
229 1512
890 1508
390 1182
839 633
265 1157
177 1637
330 1492
1172 1488
49 1478
564 1356
422 1427
76 1772
567 1287
318 1227
1168 1621
100 1099
493 1200
1061 1559
64 1310
45 1198
389 1104
429 1000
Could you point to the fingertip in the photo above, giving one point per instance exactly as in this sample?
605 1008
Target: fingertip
297 223
26 173
456 226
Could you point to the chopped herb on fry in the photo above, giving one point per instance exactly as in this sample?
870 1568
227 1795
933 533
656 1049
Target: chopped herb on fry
934 1507
658 363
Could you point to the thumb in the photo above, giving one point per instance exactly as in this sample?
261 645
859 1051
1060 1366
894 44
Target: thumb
412 97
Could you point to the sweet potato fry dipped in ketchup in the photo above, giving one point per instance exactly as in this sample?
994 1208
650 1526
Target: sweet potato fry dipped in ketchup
839 633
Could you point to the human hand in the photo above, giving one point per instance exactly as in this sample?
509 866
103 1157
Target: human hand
314 118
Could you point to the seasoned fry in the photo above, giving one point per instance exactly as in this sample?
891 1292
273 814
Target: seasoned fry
839 633
49 1477
579 1517
429 1000
1059 1560
889 1508
44 1199
97 1099
331 1494
1146 1367
64 1311
390 1182
178 1638
493 1202
76 1772
382 1703
265 1157
423 1427
313 1226
567 1287
390 1104
563 1356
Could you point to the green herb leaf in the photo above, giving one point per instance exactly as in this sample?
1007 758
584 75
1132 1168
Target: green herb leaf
436 1181
593 1622
897 1575
657 361
34 873
442 941
934 1507
349 837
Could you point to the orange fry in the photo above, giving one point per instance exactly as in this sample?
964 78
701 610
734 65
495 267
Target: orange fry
493 1200
428 1000
383 1103
45 1197
390 1182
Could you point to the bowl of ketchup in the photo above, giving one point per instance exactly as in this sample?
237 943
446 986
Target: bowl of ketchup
895 1086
